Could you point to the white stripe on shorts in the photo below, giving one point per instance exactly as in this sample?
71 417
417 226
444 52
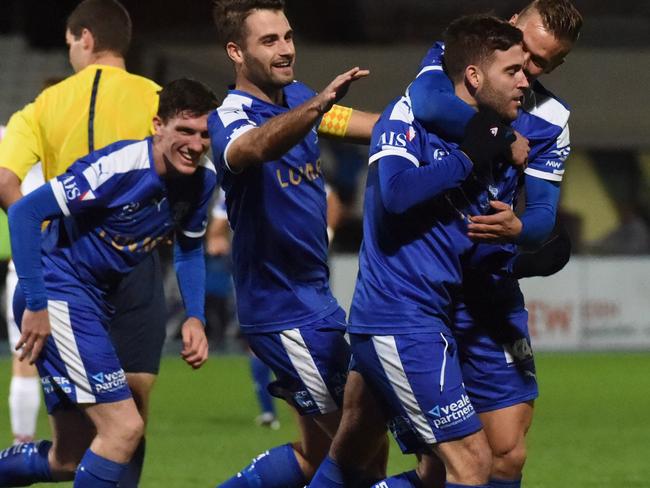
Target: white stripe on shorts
303 362
386 349
65 342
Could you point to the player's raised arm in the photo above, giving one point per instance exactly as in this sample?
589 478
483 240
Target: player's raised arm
275 137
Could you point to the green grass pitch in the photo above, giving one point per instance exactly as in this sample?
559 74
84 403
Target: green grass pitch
591 428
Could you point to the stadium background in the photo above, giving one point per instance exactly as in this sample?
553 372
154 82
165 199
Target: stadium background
593 317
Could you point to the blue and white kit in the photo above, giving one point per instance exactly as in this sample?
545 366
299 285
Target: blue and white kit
277 211
108 211
490 320
419 192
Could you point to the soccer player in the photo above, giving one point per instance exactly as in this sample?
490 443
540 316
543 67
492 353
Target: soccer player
420 192
265 145
100 104
490 323
107 212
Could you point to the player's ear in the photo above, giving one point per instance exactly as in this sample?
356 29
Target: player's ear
234 52
513 19
473 76
157 124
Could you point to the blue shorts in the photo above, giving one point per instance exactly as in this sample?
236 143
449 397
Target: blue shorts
78 364
495 354
418 381
310 363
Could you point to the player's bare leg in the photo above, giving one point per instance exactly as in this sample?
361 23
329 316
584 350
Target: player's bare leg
72 433
315 438
361 442
141 385
467 461
506 430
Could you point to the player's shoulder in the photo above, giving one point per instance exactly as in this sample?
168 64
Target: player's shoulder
122 156
546 106
236 106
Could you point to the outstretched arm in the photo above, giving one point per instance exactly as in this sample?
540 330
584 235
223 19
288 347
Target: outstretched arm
277 136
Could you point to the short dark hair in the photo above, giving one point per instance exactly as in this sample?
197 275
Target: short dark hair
230 15
107 20
560 17
186 95
472 39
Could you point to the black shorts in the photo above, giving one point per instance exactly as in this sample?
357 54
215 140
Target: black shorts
138 327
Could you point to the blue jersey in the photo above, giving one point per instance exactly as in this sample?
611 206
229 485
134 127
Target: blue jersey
543 119
410 262
277 211
116 209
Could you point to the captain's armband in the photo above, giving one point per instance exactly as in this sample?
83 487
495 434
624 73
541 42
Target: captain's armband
335 122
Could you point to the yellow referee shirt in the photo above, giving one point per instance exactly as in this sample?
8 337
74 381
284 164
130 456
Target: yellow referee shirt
89 110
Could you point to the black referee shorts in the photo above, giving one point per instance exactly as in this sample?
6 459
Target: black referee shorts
138 327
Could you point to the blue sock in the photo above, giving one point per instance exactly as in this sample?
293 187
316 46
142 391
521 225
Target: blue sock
24 464
261 378
131 475
454 485
505 483
97 472
276 468
408 479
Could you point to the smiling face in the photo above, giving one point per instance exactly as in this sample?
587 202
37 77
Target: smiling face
544 51
266 56
502 82
180 142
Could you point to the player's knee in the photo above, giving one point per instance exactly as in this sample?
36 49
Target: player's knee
126 434
472 463
508 461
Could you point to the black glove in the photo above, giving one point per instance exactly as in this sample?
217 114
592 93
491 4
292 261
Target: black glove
545 261
486 139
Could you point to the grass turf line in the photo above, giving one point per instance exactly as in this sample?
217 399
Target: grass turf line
591 426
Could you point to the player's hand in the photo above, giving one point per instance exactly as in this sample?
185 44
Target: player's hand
338 88
195 343
487 138
35 329
519 151
501 226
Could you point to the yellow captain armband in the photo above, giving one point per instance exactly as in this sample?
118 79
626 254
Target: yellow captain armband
335 122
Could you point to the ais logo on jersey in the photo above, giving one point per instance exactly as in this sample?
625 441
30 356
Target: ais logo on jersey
397 139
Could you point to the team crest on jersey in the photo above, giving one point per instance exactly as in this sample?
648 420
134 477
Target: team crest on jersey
439 154
128 210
